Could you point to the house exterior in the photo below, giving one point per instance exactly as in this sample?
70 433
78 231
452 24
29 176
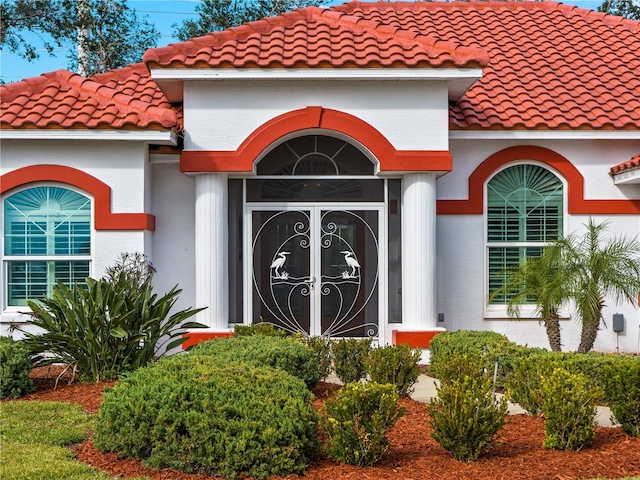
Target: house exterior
368 169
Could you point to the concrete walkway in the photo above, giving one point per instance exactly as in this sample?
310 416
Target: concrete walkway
425 390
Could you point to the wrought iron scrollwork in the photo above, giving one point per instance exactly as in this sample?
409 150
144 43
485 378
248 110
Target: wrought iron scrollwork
341 290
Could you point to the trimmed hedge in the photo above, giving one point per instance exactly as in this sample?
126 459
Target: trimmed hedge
466 417
265 329
394 364
569 408
349 357
524 384
260 350
490 346
521 370
15 367
357 422
322 346
191 413
621 384
617 375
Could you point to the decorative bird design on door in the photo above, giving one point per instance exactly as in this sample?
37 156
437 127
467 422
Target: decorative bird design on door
351 262
278 263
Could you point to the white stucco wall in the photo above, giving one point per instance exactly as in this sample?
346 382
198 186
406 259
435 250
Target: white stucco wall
410 114
173 204
593 158
220 115
461 254
121 165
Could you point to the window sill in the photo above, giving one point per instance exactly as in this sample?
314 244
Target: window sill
15 315
499 312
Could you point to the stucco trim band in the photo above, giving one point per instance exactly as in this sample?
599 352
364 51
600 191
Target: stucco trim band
577 204
242 159
105 219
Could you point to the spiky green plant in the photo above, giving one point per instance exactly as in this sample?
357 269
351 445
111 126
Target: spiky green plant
595 268
112 325
538 281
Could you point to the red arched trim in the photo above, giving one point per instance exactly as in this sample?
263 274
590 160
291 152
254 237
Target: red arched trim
575 181
104 218
241 160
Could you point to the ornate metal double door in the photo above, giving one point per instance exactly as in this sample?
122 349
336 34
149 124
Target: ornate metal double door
316 269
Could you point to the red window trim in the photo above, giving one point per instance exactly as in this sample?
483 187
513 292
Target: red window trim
105 219
577 204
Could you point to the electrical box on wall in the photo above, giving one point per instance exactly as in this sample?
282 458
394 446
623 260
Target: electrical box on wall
618 322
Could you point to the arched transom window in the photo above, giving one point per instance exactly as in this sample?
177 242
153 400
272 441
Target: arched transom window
315 168
47 238
524 213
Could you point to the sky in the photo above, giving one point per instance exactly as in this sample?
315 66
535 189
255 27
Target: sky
162 13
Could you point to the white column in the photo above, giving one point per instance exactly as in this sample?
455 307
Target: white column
212 250
419 251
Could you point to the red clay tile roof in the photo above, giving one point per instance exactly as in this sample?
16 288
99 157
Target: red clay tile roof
546 65
120 99
134 81
552 66
316 37
632 164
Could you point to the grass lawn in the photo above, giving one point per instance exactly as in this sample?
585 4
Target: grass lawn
36 439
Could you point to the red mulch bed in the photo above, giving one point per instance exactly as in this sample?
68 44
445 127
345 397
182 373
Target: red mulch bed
413 455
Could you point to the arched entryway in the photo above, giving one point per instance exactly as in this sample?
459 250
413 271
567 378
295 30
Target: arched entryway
316 238
318 164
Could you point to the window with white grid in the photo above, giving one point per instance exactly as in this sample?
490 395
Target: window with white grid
524 213
47 238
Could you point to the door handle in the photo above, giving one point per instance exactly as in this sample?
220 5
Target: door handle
311 282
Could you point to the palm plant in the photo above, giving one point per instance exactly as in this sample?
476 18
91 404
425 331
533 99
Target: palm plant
540 282
593 270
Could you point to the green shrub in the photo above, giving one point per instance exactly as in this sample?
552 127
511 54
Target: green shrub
265 329
258 350
394 364
112 325
524 385
358 420
322 346
349 355
190 413
466 417
460 365
569 408
15 367
621 384
588 364
491 346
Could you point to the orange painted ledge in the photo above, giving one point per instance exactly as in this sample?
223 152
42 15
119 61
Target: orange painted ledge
414 338
194 338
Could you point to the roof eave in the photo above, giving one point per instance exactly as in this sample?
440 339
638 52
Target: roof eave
627 177
459 79
540 134
156 137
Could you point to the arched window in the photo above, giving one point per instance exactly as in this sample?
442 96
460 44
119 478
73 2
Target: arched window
47 237
328 160
524 213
